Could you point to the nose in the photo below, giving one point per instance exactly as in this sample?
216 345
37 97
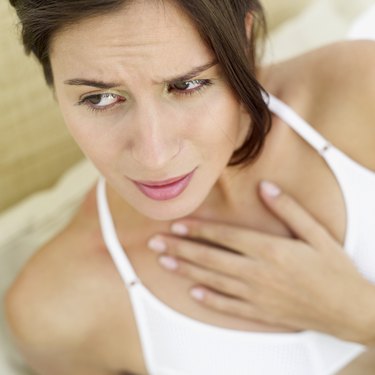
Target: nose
155 142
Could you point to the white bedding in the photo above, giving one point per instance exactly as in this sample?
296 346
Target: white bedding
27 226
364 26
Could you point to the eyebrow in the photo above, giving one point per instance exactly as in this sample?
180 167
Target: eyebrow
192 73
110 85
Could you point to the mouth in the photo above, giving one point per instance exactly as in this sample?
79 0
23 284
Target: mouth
166 189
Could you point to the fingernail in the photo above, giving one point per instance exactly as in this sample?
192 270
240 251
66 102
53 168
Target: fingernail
270 189
180 229
168 262
197 293
157 244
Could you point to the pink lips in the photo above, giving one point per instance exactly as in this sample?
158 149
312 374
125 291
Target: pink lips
165 190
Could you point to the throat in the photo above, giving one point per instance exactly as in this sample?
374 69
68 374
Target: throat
241 205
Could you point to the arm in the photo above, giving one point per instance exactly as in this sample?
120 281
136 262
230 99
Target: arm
67 309
43 347
50 312
57 362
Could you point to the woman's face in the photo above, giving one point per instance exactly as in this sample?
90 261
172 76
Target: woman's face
145 100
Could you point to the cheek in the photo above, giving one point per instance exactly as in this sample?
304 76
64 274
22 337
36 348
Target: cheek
90 137
72 121
84 126
219 123
85 136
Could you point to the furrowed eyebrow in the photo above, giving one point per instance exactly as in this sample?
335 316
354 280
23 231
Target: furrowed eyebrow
110 85
92 83
193 73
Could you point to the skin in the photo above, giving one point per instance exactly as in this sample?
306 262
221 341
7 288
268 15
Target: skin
78 318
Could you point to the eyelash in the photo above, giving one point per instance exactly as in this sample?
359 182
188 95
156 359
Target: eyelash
203 83
92 107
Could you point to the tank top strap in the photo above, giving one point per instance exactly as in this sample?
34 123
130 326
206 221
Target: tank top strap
297 123
110 237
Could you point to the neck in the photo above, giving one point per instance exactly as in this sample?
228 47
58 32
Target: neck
235 199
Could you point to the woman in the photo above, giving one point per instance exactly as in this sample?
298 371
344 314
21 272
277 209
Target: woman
166 100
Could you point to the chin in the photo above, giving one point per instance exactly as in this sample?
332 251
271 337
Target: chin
168 210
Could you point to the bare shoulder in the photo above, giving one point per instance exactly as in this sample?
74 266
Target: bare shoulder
68 300
344 70
338 70
344 94
333 88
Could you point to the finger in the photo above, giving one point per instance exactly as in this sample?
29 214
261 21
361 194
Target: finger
208 256
239 308
208 278
242 240
299 221
226 304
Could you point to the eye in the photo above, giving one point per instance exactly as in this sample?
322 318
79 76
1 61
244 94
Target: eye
188 87
101 102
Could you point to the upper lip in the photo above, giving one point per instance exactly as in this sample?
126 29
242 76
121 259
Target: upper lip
163 182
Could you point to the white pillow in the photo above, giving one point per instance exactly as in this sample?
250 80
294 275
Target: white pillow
364 26
320 23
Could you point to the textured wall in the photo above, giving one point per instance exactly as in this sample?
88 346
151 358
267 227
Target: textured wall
35 148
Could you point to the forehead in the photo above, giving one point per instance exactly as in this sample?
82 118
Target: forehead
144 31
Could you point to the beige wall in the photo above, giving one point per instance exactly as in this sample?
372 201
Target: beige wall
279 10
34 145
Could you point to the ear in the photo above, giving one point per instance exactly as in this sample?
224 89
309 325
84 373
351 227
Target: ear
249 19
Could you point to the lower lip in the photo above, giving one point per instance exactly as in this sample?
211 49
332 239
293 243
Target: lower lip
166 192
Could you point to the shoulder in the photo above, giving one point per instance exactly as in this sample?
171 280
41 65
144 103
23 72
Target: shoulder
62 300
337 72
326 70
347 65
343 98
345 53
333 88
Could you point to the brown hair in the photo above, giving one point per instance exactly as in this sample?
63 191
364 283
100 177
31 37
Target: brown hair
221 23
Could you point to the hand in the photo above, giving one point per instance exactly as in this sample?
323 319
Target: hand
307 282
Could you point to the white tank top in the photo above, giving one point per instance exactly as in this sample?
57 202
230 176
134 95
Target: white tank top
175 344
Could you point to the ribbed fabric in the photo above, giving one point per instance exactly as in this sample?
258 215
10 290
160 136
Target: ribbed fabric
175 344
